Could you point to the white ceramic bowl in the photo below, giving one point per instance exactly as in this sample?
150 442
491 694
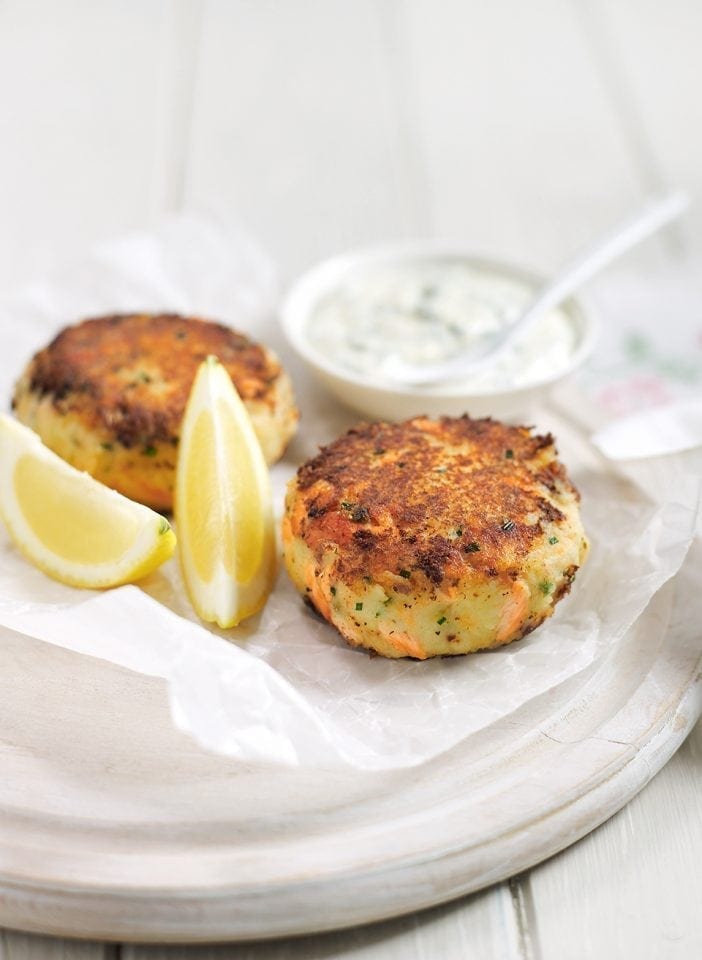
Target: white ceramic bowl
385 400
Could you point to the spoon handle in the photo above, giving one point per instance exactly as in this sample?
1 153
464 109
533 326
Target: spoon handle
655 214
578 270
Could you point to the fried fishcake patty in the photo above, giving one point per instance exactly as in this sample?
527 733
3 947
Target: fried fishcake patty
108 395
434 537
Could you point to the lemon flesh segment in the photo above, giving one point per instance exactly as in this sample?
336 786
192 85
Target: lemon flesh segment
72 527
223 503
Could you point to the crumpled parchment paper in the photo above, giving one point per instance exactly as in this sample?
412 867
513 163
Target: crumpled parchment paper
283 687
656 432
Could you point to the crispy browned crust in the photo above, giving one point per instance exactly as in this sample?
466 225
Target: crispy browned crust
430 497
130 374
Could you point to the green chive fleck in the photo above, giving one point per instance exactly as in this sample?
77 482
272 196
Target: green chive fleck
441 621
332 590
507 525
472 547
106 446
406 574
509 454
346 506
149 451
359 605
545 587
553 540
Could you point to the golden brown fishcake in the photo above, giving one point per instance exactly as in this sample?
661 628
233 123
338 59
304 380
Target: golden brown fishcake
434 537
109 394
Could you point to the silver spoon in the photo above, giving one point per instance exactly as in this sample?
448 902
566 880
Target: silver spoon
571 277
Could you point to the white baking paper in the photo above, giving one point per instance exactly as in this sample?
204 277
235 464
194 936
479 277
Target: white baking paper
656 432
284 688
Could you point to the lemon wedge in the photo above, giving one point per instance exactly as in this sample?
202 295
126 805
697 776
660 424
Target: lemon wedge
223 503
69 525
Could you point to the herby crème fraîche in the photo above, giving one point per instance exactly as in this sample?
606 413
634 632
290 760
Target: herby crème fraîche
430 310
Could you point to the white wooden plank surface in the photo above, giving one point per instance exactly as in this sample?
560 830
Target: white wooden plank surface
26 946
83 105
649 59
177 57
524 154
297 128
364 122
633 888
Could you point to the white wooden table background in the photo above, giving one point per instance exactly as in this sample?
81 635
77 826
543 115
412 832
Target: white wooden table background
517 128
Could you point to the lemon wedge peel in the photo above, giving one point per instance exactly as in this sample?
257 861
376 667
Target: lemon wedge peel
68 524
223 503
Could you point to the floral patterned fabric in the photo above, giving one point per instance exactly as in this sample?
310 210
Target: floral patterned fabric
650 346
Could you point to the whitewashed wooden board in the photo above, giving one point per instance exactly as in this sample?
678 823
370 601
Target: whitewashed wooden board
113 825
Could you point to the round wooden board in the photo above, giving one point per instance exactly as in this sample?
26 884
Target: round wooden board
113 825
